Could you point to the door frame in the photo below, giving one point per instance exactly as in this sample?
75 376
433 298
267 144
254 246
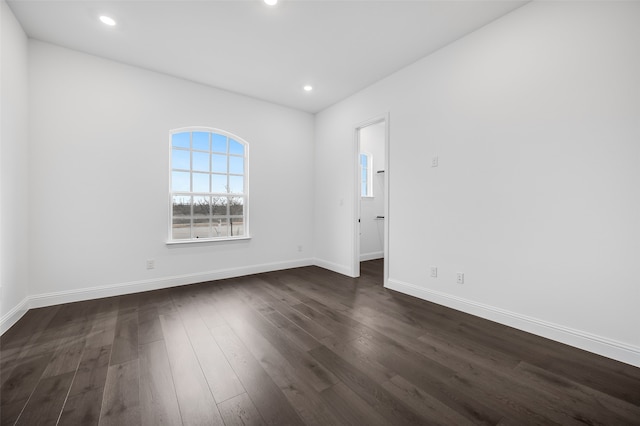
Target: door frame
381 118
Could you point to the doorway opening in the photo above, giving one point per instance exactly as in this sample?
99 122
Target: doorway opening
371 205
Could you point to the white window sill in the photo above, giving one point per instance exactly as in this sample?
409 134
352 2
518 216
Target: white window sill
206 240
367 197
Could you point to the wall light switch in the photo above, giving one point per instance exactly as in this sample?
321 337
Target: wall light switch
460 277
434 272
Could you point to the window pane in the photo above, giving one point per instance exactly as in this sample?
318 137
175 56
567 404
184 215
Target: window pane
219 206
219 183
219 227
180 140
203 164
200 161
200 206
218 143
219 163
201 182
236 206
236 165
181 206
235 147
236 227
363 160
363 174
180 182
180 159
181 229
236 184
201 141
201 228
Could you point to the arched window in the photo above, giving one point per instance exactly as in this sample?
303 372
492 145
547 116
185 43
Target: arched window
209 185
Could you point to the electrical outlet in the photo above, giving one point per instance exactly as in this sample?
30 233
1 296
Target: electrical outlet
434 272
151 263
434 161
460 277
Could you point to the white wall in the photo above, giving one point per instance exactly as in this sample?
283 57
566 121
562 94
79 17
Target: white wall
14 230
536 122
371 228
99 178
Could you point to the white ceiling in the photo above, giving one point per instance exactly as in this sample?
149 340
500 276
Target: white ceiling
245 46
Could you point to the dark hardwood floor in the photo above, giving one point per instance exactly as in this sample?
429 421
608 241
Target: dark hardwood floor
302 346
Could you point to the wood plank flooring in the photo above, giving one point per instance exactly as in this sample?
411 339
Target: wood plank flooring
301 346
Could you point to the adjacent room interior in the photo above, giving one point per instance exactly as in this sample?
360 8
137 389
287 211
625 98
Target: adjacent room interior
307 212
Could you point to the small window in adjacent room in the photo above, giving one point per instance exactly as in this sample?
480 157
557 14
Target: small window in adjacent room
366 173
209 186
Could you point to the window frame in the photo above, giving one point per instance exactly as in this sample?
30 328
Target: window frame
229 195
369 193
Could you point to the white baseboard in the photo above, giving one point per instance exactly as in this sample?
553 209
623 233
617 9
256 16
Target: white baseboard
12 317
610 348
57 298
68 296
371 256
340 269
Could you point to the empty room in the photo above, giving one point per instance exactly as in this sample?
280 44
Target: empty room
311 212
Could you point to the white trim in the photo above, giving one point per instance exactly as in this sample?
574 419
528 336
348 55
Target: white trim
600 345
387 197
68 296
355 242
119 289
10 318
371 256
340 269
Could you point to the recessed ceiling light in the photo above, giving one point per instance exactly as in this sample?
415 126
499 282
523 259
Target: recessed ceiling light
107 20
271 2
307 88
